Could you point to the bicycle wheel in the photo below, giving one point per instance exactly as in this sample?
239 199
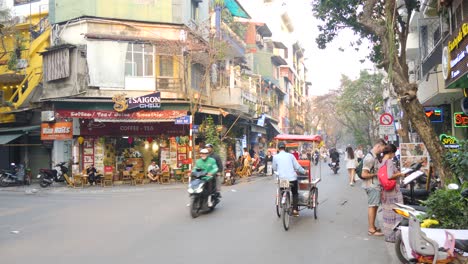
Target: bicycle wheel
314 200
278 206
286 212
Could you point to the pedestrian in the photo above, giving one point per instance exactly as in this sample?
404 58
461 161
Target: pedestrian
358 153
268 162
350 164
372 186
390 197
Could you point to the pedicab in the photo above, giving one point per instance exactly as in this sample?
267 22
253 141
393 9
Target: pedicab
307 183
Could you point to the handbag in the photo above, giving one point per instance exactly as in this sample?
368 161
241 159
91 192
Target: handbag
387 184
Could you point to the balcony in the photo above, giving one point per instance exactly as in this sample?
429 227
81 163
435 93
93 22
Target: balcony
169 84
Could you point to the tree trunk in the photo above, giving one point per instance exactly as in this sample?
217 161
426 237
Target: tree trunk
421 123
404 129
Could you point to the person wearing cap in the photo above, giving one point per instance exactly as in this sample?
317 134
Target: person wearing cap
208 165
286 165
219 163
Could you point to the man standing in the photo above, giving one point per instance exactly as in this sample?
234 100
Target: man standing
286 165
219 163
371 185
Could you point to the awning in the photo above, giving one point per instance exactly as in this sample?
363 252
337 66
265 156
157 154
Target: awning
4 139
20 129
276 129
236 9
258 129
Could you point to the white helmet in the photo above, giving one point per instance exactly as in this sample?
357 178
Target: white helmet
204 151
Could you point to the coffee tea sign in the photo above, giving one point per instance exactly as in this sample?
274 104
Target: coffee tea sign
149 101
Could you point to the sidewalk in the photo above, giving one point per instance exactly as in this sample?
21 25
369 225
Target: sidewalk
62 188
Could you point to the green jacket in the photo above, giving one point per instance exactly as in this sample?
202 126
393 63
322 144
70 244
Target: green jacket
208 165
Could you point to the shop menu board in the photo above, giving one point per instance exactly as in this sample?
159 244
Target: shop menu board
181 154
165 156
173 153
88 152
414 153
99 155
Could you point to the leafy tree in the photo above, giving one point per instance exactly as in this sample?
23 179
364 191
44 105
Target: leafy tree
324 117
358 104
386 25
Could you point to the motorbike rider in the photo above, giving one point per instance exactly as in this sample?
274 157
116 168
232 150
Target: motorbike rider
219 163
286 165
208 165
335 156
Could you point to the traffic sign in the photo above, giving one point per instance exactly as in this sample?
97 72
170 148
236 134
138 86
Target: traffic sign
386 130
386 119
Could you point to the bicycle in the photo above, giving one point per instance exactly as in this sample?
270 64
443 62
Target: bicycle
283 206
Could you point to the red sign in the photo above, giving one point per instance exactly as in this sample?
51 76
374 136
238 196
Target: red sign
91 128
461 119
57 131
386 119
110 114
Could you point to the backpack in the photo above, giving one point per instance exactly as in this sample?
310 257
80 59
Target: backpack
358 168
387 184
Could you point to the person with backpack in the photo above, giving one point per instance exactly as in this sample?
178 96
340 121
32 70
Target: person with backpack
390 196
370 165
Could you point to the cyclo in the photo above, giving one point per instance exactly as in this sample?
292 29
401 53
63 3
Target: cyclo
307 184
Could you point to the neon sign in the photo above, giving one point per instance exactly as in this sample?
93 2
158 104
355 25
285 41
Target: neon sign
434 114
449 142
460 119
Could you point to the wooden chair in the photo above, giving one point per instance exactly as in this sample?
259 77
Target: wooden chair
165 177
126 177
78 180
185 177
99 179
138 177
108 178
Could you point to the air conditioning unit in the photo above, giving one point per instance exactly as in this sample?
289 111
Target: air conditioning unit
48 116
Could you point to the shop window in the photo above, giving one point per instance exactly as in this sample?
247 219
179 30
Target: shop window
139 60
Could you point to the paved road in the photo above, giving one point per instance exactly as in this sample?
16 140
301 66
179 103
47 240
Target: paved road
151 224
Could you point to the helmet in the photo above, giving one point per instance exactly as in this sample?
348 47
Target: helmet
281 145
204 151
208 145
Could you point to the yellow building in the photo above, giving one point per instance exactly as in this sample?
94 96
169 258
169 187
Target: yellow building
21 63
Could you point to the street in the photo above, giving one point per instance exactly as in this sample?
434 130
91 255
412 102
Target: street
152 224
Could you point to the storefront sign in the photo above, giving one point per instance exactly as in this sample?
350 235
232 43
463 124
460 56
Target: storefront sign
460 119
149 101
434 114
89 128
57 131
455 57
449 142
109 114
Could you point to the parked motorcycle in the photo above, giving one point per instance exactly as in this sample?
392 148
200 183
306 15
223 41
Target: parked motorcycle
417 181
403 249
230 173
15 176
202 199
48 176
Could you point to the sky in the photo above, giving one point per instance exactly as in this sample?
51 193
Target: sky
325 66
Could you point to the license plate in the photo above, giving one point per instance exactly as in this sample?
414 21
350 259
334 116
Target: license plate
284 184
228 174
333 163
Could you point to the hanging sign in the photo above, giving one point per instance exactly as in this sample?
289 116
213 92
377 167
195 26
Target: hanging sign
183 120
57 131
460 119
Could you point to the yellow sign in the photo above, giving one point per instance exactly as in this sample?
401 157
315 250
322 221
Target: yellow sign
461 35
120 102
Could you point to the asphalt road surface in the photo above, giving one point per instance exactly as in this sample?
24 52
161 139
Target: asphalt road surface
152 224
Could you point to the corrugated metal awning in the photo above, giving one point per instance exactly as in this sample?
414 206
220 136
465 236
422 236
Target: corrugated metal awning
4 139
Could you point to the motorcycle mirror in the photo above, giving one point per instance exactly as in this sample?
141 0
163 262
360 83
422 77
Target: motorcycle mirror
453 186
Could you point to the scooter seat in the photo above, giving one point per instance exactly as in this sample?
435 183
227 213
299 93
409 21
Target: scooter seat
461 244
417 193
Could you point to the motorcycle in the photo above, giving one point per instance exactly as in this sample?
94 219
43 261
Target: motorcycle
201 198
16 176
230 173
404 249
416 178
48 176
334 166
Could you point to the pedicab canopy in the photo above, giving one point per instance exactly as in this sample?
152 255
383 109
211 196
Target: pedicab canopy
308 138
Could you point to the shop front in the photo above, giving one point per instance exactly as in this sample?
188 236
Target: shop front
117 142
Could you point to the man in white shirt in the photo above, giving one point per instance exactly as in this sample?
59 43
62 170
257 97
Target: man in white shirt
153 171
286 165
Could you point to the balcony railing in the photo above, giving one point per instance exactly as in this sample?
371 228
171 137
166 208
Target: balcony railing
168 83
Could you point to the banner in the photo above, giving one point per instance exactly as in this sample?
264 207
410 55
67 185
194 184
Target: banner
57 131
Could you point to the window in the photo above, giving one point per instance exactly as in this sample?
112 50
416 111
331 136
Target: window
139 60
166 66
197 76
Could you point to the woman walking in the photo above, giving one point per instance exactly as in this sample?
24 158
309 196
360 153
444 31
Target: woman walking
350 164
389 198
